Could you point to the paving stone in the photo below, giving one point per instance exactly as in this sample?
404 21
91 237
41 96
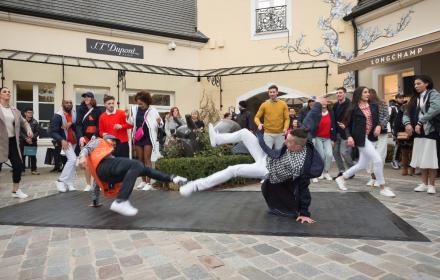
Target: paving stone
57 271
80 252
340 271
283 258
265 249
13 253
398 259
246 252
304 269
253 273
32 273
263 262
371 250
425 259
107 261
58 261
225 239
166 271
277 271
391 277
296 251
109 271
247 240
359 277
211 261
104 254
34 262
190 245
84 272
398 269
340 248
366 269
428 269
421 248
196 272
138 236
340 258
280 244
130 260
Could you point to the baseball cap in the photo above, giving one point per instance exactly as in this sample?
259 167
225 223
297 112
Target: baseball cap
88 94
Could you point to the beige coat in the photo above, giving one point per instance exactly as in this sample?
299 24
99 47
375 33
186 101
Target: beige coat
4 140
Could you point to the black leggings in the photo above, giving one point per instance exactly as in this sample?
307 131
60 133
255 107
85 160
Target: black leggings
125 170
122 150
15 159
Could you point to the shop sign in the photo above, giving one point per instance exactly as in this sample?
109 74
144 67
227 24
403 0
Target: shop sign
396 56
114 48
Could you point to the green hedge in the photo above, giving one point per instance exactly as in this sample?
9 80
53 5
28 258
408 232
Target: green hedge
201 166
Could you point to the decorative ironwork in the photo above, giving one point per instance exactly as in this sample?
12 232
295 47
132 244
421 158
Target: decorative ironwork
271 19
215 80
121 79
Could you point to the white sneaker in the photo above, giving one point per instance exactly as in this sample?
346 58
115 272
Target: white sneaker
321 177
212 134
431 189
61 187
123 208
187 189
19 194
88 188
328 177
315 180
71 188
341 183
141 185
387 192
147 187
421 188
371 182
376 184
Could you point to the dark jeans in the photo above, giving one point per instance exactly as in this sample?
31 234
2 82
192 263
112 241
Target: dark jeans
125 170
122 150
16 163
33 159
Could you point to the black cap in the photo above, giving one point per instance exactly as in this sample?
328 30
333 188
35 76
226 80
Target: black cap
242 104
88 94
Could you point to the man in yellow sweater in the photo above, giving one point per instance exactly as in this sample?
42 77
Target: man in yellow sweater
275 118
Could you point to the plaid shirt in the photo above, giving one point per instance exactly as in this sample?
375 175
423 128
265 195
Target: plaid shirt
369 119
288 166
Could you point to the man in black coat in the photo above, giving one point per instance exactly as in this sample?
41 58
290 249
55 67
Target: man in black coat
25 141
244 119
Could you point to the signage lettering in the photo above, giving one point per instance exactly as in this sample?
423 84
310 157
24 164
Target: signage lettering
113 48
396 56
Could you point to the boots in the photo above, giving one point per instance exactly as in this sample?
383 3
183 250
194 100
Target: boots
405 162
411 171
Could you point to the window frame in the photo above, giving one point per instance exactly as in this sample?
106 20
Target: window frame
160 109
270 34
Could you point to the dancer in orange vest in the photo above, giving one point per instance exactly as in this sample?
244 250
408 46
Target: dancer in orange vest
116 176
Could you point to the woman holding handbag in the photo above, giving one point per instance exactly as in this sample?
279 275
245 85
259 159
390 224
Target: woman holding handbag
146 121
421 119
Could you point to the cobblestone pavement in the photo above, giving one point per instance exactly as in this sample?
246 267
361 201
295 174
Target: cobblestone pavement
71 253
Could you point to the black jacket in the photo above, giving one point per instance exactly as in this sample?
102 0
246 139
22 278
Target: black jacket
33 123
56 131
92 120
332 127
339 111
357 123
302 114
245 120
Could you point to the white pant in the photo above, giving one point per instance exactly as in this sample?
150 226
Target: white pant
69 170
368 154
381 146
274 140
255 170
324 148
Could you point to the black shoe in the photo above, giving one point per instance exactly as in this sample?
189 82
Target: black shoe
339 175
55 169
351 177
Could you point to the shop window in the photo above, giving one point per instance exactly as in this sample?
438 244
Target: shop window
271 16
162 101
99 93
393 83
40 97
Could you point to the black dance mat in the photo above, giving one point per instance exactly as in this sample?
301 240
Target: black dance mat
343 215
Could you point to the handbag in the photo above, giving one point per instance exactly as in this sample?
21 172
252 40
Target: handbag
140 131
49 159
30 151
402 136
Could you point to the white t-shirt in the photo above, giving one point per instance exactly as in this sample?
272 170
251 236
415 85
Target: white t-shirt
9 120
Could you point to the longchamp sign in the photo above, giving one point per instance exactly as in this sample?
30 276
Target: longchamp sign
396 56
114 48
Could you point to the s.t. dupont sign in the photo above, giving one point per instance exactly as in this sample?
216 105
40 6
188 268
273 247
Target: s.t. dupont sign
114 48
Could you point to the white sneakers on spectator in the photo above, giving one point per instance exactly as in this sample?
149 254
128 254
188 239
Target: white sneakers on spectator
19 194
141 185
188 189
373 183
315 180
212 134
88 188
387 192
425 188
123 208
321 177
341 183
71 188
61 187
328 177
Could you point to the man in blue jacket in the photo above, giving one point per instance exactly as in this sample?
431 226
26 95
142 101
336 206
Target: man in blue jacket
62 129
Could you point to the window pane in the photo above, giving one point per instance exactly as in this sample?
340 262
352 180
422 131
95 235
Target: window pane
23 105
131 99
46 92
24 92
279 2
263 4
46 111
161 99
44 125
98 92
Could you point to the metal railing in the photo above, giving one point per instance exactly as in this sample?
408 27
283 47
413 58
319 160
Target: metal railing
271 19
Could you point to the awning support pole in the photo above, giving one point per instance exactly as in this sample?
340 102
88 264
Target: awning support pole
326 79
2 68
63 82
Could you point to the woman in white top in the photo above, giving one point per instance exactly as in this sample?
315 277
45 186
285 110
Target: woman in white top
146 118
11 122
422 118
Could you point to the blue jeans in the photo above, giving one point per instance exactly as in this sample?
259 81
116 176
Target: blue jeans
324 148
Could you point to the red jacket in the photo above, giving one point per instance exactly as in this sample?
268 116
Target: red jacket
108 121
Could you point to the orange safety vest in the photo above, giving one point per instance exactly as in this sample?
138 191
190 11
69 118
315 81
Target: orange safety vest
102 150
